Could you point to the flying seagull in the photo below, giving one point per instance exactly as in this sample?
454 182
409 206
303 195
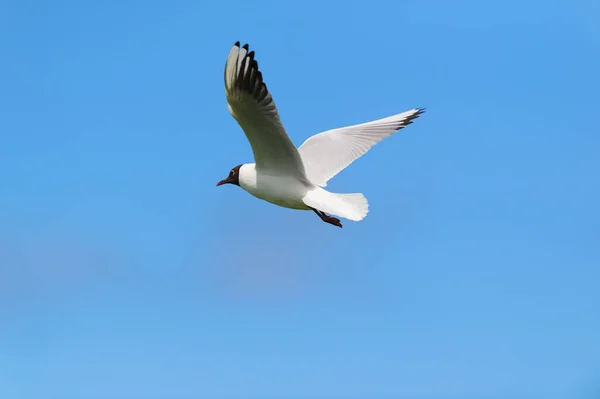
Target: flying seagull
294 177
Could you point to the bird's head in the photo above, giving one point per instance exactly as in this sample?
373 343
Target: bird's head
233 178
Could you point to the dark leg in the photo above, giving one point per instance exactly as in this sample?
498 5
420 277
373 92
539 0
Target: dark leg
328 219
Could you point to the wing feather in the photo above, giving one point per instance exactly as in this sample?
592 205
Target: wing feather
326 154
250 103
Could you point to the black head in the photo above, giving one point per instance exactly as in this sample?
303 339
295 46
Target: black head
233 178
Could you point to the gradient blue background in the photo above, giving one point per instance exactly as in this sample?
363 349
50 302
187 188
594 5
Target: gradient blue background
125 273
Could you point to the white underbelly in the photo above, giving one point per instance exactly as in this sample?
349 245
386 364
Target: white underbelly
283 191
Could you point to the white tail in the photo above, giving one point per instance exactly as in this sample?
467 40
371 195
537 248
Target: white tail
349 206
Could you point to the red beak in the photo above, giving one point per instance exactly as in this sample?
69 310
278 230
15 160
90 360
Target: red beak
220 183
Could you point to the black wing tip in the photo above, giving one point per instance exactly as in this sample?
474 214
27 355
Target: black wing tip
409 120
420 111
250 79
238 44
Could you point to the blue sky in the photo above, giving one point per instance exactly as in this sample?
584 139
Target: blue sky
125 273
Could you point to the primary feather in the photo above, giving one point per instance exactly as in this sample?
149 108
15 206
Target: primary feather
326 154
250 103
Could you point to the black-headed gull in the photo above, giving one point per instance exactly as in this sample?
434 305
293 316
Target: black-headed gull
294 177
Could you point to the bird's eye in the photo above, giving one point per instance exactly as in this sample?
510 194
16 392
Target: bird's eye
231 173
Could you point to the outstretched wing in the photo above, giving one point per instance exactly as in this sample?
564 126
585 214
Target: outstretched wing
326 154
251 104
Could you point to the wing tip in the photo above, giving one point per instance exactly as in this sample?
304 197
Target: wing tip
238 44
409 120
245 74
419 111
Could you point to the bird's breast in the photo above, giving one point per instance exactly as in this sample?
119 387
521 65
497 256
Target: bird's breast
285 191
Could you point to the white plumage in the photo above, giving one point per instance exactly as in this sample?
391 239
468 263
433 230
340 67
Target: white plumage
326 154
283 174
